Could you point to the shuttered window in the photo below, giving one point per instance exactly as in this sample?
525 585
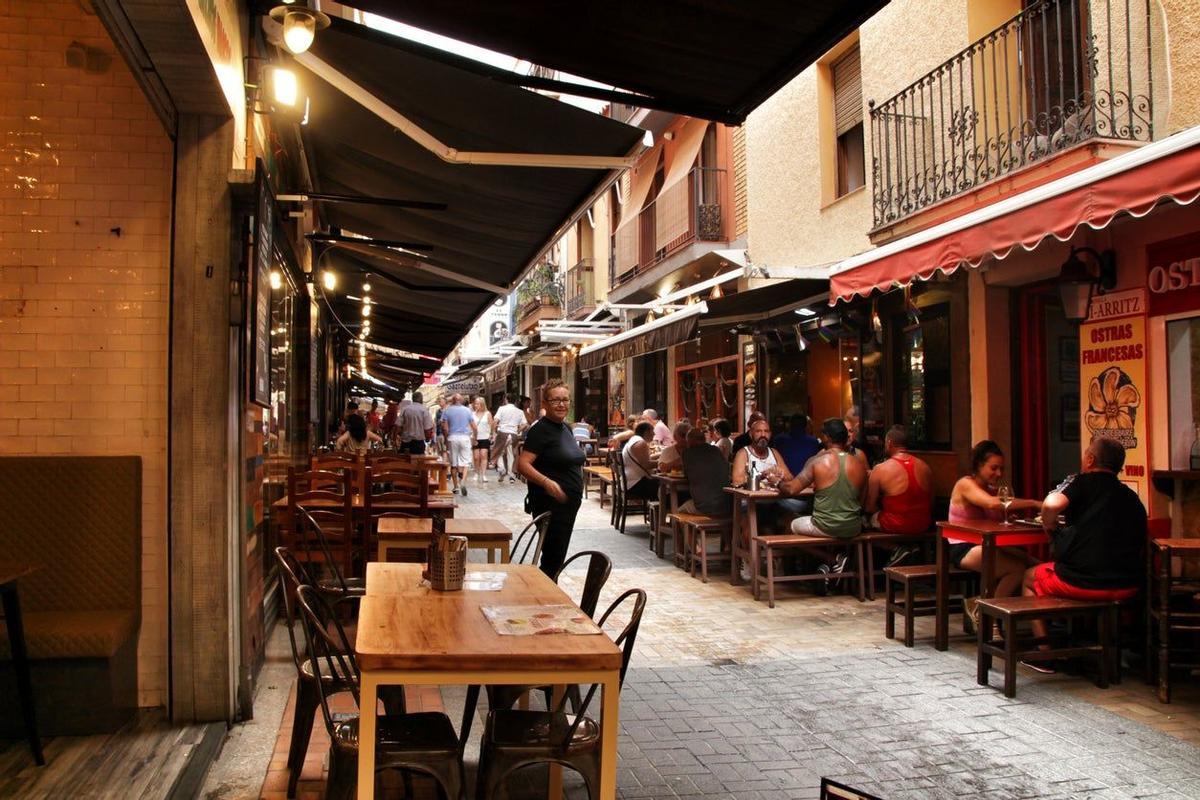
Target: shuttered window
847 92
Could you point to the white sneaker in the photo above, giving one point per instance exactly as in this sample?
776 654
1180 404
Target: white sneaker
485 479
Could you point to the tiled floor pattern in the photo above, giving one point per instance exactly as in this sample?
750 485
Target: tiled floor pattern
727 698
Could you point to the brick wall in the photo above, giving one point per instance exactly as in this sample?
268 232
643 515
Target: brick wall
83 311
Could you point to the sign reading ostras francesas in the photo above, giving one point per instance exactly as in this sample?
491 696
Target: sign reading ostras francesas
1112 374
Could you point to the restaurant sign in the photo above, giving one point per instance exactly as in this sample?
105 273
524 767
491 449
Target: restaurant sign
1173 274
1112 374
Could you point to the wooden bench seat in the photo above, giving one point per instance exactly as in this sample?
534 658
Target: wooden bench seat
767 547
1012 610
872 539
910 606
695 530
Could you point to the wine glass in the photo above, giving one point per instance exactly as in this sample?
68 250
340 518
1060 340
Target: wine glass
1005 494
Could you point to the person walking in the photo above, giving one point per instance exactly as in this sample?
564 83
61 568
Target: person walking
483 438
459 428
552 465
416 426
510 421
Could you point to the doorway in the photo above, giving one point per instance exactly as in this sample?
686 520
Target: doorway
1047 376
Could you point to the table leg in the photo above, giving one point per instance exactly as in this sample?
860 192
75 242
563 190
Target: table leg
941 636
554 786
504 556
988 567
491 555
752 526
368 693
735 572
20 659
608 736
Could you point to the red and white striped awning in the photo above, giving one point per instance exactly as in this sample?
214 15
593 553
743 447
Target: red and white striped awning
1133 183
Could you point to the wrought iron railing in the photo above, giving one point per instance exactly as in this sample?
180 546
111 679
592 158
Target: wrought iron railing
689 211
581 286
1059 73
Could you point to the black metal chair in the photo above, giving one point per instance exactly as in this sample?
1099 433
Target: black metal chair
422 743
515 739
532 536
599 568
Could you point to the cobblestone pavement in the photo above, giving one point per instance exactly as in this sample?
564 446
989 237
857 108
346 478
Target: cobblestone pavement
726 698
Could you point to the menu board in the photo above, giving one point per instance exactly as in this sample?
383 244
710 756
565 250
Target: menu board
749 380
260 279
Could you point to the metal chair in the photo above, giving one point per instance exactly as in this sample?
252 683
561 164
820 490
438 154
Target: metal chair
422 743
532 536
515 739
622 502
599 568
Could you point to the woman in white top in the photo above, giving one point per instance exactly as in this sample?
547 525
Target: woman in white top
357 439
483 438
636 455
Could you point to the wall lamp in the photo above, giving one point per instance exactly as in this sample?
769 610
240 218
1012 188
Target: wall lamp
300 25
1078 282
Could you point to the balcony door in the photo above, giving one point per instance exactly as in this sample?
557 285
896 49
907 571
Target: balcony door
1054 66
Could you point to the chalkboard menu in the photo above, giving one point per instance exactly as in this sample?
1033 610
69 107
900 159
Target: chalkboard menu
260 279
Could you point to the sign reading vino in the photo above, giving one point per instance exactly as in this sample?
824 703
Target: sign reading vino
1112 375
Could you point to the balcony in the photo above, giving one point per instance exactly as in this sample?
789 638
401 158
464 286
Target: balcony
1059 74
581 289
693 210
539 297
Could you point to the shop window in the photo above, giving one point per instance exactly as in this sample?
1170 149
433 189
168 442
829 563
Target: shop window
921 368
1183 376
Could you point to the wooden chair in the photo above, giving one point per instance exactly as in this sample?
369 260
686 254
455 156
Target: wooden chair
1010 611
908 579
1171 609
696 528
623 504
423 743
514 739
320 525
399 492
876 539
334 462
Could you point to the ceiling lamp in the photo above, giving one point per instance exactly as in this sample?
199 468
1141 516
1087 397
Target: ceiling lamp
276 279
329 280
300 25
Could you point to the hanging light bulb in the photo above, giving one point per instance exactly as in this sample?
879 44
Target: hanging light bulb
366 311
366 301
329 280
366 287
276 279
300 25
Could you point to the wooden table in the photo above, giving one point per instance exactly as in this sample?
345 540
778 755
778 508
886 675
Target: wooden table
444 508
10 572
745 525
990 534
669 487
413 533
409 634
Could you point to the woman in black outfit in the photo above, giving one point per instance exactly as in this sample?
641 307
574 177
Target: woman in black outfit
552 464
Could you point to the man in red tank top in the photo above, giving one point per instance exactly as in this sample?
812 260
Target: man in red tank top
900 489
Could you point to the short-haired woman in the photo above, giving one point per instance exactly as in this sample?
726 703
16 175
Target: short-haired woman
552 464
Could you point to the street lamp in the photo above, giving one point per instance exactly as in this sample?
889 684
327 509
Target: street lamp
1078 282
300 25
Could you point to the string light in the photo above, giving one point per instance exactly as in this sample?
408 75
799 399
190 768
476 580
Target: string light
366 287
366 311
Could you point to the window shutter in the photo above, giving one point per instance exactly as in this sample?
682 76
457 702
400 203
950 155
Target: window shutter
847 92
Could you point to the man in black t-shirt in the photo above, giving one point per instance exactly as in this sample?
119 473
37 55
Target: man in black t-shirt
1098 553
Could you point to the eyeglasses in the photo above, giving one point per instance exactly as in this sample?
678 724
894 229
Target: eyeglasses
559 401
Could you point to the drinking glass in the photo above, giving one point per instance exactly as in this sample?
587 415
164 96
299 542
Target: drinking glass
1006 498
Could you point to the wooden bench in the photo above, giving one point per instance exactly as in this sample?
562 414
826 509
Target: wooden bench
1012 610
603 478
769 546
79 519
909 578
873 539
695 529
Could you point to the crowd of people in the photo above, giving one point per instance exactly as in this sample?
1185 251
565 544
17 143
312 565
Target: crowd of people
827 484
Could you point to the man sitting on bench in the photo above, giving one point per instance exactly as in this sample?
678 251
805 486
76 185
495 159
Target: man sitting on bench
1098 553
899 493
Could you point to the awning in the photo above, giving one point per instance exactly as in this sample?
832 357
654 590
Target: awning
498 218
1133 183
715 59
500 370
660 334
764 303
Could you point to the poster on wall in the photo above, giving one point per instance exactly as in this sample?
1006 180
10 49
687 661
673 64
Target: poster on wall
616 396
315 342
260 300
1112 380
749 379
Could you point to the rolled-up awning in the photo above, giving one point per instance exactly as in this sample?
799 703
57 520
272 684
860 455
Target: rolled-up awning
715 59
500 370
765 302
1132 183
660 334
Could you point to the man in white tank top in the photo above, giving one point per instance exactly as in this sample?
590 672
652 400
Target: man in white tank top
765 459
636 455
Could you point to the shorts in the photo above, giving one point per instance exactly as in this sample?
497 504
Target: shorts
957 551
483 444
1047 583
460 450
413 446
804 526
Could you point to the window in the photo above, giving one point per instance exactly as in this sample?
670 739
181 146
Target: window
848 122
921 368
1183 381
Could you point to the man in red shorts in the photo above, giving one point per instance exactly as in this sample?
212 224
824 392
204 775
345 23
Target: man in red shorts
1098 553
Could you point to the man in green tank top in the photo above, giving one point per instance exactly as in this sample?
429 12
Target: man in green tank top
838 480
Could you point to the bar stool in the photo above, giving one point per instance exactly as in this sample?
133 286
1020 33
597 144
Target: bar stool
1172 607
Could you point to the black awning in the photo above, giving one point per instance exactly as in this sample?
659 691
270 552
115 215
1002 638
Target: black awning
638 344
764 302
715 59
497 218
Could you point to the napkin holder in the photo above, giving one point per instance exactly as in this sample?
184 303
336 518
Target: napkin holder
447 563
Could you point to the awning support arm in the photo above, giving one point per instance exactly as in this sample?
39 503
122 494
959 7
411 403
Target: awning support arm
414 263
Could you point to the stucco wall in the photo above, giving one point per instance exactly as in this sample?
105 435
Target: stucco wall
788 226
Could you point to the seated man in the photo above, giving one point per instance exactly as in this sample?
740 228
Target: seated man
839 481
707 472
765 460
636 453
1098 553
797 445
722 437
900 493
671 457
